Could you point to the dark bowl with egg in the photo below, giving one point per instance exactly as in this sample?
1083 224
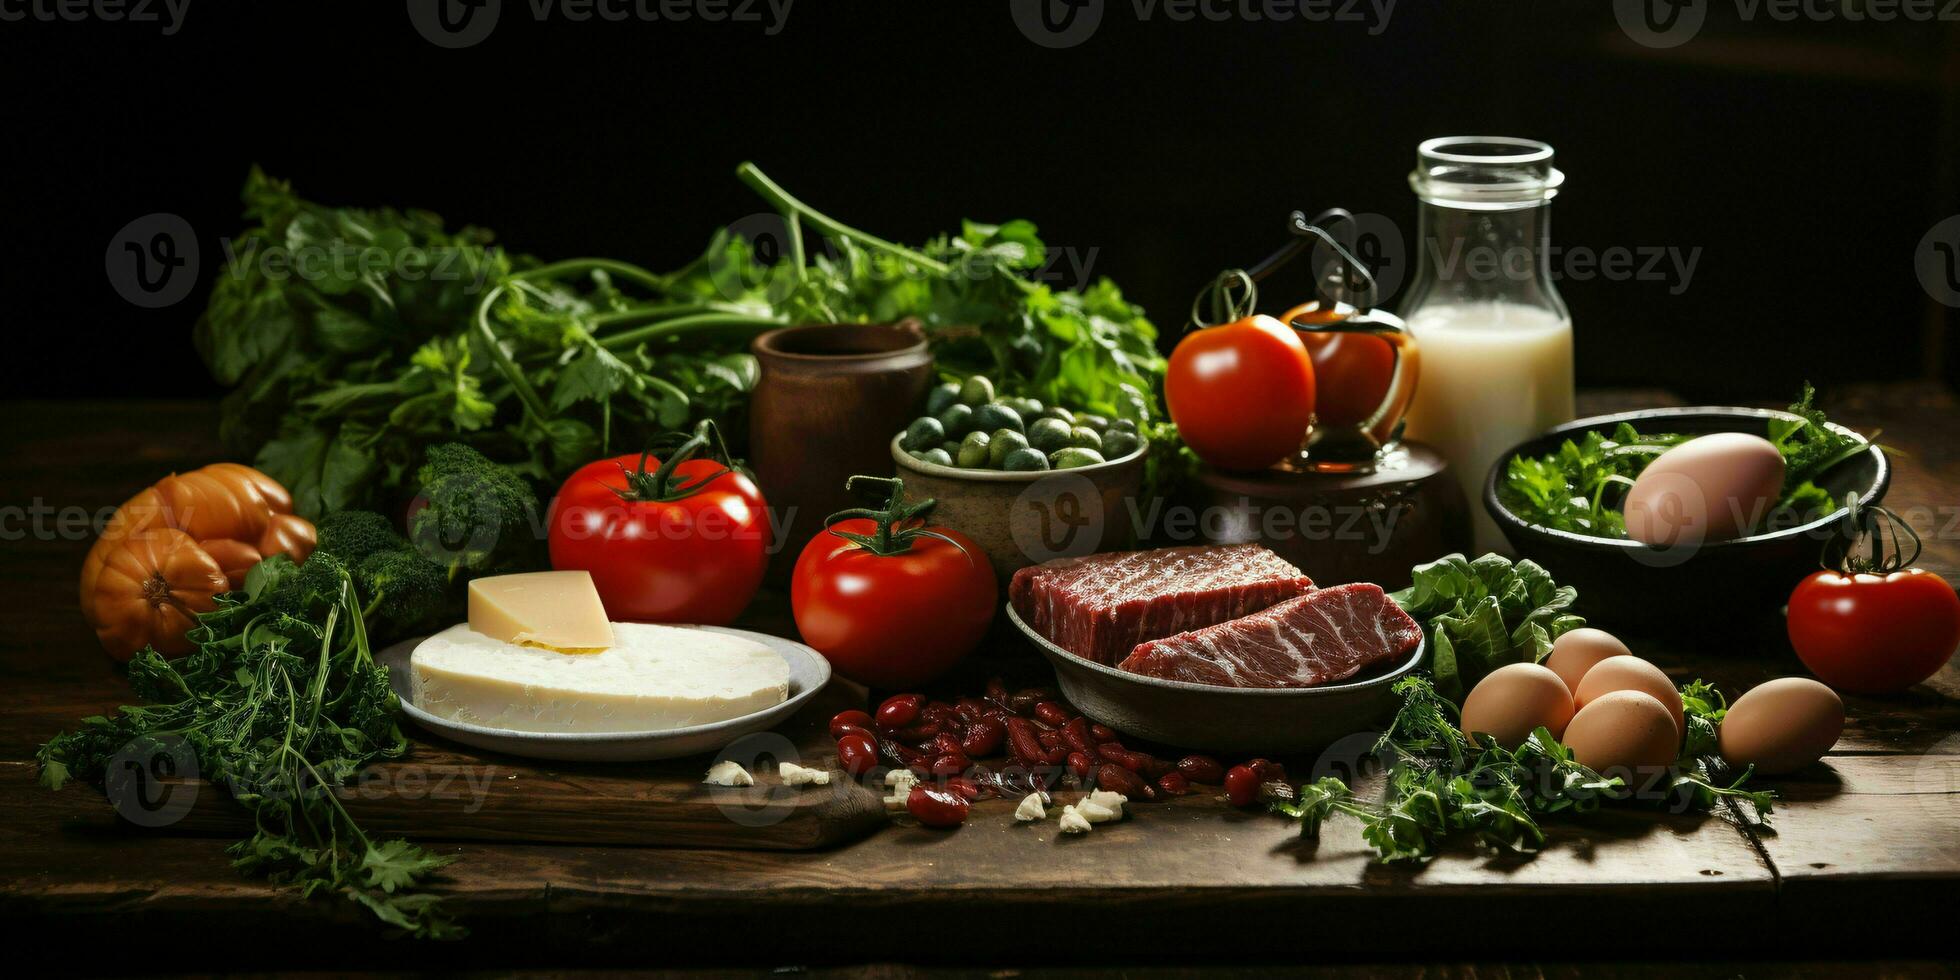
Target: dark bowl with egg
1708 594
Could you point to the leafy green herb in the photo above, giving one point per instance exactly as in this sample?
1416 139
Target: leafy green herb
356 338
1582 486
1441 783
282 701
1483 614
1810 447
1579 487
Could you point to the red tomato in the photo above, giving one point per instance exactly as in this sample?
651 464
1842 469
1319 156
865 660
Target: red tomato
1242 394
1352 372
1874 634
663 553
893 620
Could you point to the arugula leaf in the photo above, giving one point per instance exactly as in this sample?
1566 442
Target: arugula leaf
1581 487
1443 784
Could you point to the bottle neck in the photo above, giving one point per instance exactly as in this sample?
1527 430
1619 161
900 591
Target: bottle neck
1483 256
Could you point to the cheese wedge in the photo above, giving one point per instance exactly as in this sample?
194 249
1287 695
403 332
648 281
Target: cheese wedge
654 678
557 610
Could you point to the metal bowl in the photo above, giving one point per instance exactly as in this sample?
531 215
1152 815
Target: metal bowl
1223 719
1707 595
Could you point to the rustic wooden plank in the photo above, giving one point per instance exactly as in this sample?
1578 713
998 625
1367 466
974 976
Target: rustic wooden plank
1867 839
1190 861
1166 865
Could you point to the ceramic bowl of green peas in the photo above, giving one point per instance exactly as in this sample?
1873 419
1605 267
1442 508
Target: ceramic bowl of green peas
1028 481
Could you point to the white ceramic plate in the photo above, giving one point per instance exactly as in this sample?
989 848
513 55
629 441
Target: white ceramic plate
808 673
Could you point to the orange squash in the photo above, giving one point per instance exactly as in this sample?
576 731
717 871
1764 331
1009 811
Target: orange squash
171 548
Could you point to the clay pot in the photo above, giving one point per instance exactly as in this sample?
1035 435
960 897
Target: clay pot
829 398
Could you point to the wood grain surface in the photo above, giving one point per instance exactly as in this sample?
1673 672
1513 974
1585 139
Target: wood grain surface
1863 858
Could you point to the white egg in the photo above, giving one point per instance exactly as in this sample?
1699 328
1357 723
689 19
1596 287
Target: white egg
1712 488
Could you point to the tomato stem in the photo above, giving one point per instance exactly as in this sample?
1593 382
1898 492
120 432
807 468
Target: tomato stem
661 485
1861 523
899 524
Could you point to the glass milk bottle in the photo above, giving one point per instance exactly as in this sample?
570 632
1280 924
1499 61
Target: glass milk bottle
1496 339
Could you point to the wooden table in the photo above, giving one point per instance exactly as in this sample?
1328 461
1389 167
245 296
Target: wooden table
1864 860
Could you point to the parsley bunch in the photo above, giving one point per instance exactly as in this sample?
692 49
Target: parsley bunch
355 338
281 702
1442 783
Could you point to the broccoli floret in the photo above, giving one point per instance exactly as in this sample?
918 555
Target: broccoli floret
480 516
402 589
351 535
307 592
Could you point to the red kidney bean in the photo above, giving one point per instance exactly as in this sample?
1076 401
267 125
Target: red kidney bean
966 788
997 691
1055 756
1076 735
970 710
935 807
1023 741
1241 785
1022 702
1201 769
857 753
919 734
1174 783
839 731
1117 779
943 743
1268 770
901 756
1051 714
942 714
1081 765
982 738
899 711
1049 738
1102 733
950 764
1121 756
1154 768
845 720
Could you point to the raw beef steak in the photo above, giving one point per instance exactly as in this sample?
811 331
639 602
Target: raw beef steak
1325 635
1102 606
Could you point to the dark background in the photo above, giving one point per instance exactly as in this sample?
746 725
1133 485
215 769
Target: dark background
1805 160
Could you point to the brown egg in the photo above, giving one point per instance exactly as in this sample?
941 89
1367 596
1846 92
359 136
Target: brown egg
1783 725
1712 488
1623 733
1630 673
1576 651
1516 699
